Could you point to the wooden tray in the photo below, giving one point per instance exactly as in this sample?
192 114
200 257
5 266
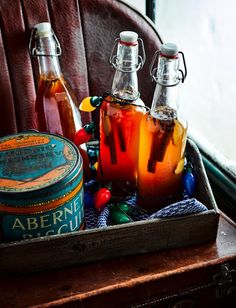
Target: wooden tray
115 241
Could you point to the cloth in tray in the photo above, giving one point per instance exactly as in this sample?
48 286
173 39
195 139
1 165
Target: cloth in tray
184 207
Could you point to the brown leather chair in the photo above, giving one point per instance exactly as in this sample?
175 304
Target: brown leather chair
86 30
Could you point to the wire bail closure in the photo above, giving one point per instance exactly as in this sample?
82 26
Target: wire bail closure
142 57
34 51
153 71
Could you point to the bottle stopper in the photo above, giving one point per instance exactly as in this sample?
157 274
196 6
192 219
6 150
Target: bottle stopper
43 29
129 37
169 49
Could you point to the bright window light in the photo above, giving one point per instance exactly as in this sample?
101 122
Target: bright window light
205 31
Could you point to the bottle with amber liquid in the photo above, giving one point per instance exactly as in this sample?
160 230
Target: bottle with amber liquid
163 134
121 113
56 105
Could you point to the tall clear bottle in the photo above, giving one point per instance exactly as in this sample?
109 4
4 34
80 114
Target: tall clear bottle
56 105
163 134
121 113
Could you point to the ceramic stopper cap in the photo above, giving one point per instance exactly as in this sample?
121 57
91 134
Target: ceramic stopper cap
128 36
43 29
169 49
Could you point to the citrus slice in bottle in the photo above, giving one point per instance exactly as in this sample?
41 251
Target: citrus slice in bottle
180 167
178 132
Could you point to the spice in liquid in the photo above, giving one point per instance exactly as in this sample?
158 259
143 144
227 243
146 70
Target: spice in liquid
54 108
119 141
161 158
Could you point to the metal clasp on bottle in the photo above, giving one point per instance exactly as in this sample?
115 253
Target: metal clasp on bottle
141 58
34 51
153 70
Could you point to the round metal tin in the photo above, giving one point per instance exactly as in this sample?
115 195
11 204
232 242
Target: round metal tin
41 186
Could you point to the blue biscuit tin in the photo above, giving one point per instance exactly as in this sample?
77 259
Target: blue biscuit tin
41 186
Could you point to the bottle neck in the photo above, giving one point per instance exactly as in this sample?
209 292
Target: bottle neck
168 71
166 91
125 81
49 65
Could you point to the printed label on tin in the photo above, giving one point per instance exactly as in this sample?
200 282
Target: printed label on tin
29 162
63 219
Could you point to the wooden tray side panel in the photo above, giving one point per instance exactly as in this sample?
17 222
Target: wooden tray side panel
203 191
112 242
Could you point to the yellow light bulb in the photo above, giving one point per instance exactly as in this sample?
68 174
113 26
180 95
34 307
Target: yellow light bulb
85 105
96 165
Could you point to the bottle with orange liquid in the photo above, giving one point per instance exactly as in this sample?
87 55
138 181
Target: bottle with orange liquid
163 134
120 115
56 105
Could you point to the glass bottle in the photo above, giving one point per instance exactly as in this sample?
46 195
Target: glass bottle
163 134
121 113
56 105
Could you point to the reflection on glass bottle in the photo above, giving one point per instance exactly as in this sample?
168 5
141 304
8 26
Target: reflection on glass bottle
163 134
56 105
120 115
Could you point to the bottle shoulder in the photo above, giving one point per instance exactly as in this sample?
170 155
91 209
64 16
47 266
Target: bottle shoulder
118 103
139 102
167 113
56 87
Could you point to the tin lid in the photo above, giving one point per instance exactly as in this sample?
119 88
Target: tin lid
31 161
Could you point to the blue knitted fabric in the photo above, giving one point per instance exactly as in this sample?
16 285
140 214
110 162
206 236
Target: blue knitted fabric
181 208
103 218
91 217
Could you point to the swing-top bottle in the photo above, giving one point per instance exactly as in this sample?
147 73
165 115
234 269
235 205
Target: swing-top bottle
121 113
163 134
56 105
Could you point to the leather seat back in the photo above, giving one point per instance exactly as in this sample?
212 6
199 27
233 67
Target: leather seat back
86 30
